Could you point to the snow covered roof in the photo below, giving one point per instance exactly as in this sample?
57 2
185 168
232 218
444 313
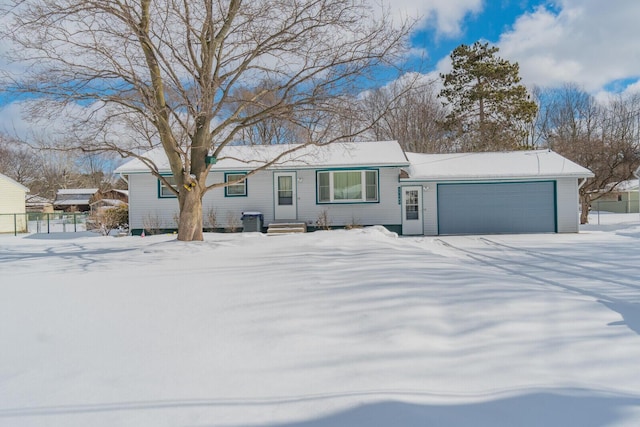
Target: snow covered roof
90 191
109 202
501 165
36 200
338 154
74 196
71 202
14 182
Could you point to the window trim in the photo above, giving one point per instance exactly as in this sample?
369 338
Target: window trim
244 184
363 183
162 185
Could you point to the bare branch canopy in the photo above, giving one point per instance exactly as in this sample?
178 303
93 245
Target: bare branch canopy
192 76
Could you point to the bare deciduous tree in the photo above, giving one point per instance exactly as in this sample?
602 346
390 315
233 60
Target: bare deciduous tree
189 75
604 138
18 161
414 119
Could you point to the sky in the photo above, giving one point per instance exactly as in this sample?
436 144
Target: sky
590 43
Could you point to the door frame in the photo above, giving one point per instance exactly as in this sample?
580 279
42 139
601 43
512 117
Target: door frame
285 212
412 227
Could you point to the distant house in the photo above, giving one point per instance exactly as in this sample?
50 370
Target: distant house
619 198
38 204
12 202
375 183
74 199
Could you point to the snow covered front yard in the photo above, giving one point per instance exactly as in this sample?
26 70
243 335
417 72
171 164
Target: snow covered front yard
324 329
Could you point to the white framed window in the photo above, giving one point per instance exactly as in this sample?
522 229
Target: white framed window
237 184
347 186
163 190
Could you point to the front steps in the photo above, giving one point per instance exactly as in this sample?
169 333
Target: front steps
286 227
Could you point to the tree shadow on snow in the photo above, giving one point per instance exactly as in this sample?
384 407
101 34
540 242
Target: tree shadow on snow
531 410
560 408
630 313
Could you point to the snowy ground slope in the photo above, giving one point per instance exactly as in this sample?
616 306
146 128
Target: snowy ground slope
324 329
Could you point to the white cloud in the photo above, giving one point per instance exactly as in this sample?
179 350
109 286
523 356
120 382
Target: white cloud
13 122
588 42
445 16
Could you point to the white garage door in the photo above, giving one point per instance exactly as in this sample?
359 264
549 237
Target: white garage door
490 208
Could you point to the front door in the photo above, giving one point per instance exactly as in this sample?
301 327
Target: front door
412 211
284 193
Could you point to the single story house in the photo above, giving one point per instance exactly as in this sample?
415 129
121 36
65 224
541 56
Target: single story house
13 216
39 204
374 183
619 198
74 199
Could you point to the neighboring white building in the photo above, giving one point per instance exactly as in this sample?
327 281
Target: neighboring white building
12 202
376 183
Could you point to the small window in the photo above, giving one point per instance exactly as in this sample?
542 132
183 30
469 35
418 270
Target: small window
237 184
324 193
412 205
347 186
372 186
163 190
285 190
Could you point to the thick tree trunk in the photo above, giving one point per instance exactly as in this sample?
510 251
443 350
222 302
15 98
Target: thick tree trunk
584 211
190 223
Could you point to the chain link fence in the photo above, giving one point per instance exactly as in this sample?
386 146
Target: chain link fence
620 206
32 222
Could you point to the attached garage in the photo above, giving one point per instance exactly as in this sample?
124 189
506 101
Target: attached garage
492 193
497 207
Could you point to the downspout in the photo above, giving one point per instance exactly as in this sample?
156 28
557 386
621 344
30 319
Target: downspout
581 184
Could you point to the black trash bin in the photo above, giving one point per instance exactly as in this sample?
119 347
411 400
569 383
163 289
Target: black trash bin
252 221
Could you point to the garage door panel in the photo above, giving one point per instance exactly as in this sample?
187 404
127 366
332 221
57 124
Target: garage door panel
486 208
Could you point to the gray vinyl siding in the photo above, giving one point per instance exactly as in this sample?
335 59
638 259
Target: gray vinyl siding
568 205
384 212
430 208
228 210
145 203
498 207
145 207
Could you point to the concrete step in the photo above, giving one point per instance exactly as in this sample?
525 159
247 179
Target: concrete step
286 227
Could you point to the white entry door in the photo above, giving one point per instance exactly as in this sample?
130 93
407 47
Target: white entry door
284 193
412 211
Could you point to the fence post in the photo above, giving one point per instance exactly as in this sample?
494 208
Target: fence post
48 223
15 224
75 229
